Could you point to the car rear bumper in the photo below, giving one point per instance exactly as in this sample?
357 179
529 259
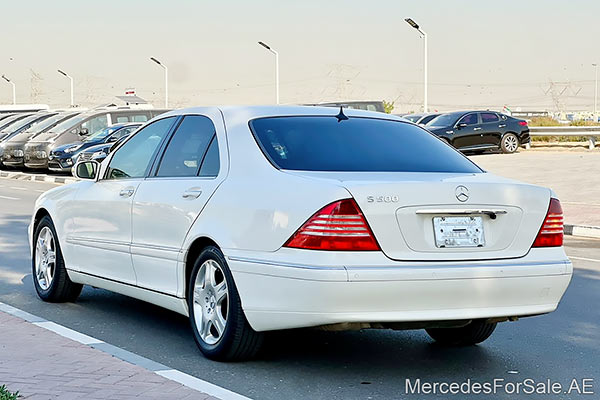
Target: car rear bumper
278 295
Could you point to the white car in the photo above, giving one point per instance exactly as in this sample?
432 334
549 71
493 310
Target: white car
251 219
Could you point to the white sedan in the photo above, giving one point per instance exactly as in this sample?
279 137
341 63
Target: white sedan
251 219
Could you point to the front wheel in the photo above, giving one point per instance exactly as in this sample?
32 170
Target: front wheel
50 276
219 325
475 332
509 143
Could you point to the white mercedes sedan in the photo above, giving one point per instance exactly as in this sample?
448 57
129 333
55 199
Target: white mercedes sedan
252 219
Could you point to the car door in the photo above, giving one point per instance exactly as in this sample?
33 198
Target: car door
168 202
467 131
491 131
102 210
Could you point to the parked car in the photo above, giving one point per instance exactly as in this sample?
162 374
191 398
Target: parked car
80 127
5 122
100 151
14 148
62 158
252 219
481 130
421 119
19 126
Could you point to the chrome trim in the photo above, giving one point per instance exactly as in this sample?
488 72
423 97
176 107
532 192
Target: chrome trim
468 264
449 211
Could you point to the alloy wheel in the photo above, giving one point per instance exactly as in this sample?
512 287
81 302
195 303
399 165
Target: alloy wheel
45 258
511 143
211 297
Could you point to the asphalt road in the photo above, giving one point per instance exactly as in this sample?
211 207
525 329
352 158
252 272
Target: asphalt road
323 365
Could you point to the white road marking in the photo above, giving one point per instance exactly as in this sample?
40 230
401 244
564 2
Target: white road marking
200 385
68 333
584 259
18 188
9 198
171 374
40 191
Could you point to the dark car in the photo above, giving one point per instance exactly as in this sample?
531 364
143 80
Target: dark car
481 130
14 146
421 119
82 126
62 158
100 151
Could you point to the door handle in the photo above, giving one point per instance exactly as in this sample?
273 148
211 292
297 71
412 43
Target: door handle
127 192
476 129
192 193
501 125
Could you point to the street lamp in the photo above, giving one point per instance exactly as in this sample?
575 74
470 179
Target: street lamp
413 24
596 95
71 79
263 44
166 80
13 87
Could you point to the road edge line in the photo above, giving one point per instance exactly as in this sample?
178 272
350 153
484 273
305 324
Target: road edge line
582 230
164 371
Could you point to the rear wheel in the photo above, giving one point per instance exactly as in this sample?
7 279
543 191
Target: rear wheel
475 332
50 276
218 322
509 143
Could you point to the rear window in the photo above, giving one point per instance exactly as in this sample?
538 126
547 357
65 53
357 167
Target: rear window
321 143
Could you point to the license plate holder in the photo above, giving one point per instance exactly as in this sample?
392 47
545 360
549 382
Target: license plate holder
457 232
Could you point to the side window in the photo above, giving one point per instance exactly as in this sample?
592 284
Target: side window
132 160
122 132
139 118
211 162
122 119
489 117
469 119
95 124
187 147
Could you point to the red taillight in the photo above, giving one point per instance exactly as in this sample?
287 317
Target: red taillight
552 230
337 226
523 123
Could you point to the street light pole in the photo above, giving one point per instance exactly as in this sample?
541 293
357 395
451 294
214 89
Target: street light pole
13 88
71 79
596 95
263 44
166 80
413 24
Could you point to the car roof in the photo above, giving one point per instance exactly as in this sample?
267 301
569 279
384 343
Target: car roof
252 112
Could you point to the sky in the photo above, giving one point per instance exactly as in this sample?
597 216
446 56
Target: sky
533 54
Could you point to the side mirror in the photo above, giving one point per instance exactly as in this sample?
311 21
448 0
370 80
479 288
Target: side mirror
461 125
83 131
86 170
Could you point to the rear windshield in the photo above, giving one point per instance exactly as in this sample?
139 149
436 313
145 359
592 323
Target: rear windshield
321 143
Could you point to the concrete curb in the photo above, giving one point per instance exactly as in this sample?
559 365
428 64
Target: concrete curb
22 176
582 230
182 378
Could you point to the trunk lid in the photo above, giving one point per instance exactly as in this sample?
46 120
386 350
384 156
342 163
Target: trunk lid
400 209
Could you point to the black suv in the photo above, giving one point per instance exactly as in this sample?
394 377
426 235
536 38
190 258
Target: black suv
481 130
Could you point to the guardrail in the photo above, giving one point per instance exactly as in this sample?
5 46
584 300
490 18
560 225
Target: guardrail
591 132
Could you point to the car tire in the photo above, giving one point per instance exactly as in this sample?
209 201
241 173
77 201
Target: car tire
509 143
50 276
475 332
219 325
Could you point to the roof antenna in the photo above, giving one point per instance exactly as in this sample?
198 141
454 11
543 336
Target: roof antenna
341 116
